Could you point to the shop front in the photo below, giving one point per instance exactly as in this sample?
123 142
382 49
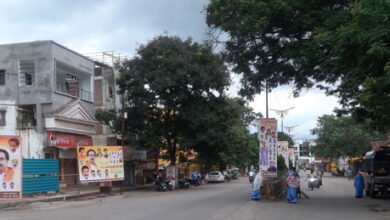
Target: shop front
65 145
70 126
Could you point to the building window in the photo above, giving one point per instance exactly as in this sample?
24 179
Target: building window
110 92
29 79
27 72
2 77
2 117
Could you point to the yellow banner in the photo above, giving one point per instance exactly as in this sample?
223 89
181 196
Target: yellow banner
10 167
100 163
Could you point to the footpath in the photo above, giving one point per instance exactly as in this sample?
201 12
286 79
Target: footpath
68 193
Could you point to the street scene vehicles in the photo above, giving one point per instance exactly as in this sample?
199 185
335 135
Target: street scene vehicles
376 172
162 185
312 182
183 184
216 176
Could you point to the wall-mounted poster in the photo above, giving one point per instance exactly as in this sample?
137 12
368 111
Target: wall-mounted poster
10 167
268 139
100 163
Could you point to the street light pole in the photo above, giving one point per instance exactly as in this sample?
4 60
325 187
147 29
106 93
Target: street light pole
282 113
123 121
266 99
290 128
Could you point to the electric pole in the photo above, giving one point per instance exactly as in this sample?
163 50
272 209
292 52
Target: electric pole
281 114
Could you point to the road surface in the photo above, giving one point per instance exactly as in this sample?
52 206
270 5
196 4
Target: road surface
225 201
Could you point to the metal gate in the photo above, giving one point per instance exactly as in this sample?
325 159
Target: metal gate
40 175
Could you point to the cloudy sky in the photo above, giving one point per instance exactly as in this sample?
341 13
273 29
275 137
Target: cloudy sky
123 25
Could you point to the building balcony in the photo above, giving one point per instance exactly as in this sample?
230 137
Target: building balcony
72 89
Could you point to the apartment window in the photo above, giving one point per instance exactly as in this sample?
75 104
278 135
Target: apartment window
2 117
27 72
2 77
110 92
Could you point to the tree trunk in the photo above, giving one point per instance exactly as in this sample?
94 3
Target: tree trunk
172 153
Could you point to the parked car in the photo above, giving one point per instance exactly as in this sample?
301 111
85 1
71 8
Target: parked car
216 176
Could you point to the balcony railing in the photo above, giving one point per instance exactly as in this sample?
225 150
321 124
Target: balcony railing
76 92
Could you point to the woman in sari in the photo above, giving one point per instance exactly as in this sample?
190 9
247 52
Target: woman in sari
292 186
256 186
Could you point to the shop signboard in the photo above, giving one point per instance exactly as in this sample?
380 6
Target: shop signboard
67 140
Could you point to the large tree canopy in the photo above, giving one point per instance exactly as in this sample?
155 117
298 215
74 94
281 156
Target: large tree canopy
341 46
163 82
342 136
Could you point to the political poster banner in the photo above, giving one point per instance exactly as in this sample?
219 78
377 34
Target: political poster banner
100 163
268 139
283 151
10 167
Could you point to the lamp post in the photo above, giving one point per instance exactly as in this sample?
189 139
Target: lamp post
290 128
282 113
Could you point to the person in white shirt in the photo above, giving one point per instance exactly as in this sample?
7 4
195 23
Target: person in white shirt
14 152
84 173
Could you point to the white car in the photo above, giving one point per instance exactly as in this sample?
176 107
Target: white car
216 176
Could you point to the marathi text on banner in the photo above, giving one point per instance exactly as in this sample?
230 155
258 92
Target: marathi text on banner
100 163
268 138
10 167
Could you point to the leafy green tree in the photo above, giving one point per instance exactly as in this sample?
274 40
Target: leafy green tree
167 76
282 168
219 133
339 46
342 136
285 137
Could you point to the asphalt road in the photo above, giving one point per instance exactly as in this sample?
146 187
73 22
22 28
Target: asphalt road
213 201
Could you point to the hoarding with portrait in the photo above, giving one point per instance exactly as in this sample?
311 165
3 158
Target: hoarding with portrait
10 167
268 139
283 151
100 163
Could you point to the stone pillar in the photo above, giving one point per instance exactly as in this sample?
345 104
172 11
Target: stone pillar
39 117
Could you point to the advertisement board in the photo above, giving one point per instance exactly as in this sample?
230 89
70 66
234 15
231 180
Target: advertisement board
283 151
100 163
10 167
268 139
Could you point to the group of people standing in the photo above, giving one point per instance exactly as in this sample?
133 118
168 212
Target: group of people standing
292 179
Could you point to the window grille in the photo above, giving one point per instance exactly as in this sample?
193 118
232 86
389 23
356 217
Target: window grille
27 72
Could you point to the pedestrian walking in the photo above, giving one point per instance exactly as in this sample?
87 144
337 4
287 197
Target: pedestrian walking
359 185
292 186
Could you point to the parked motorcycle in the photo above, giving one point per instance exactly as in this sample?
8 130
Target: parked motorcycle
161 185
235 174
183 184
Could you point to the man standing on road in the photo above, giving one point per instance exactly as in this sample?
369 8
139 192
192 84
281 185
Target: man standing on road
359 185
